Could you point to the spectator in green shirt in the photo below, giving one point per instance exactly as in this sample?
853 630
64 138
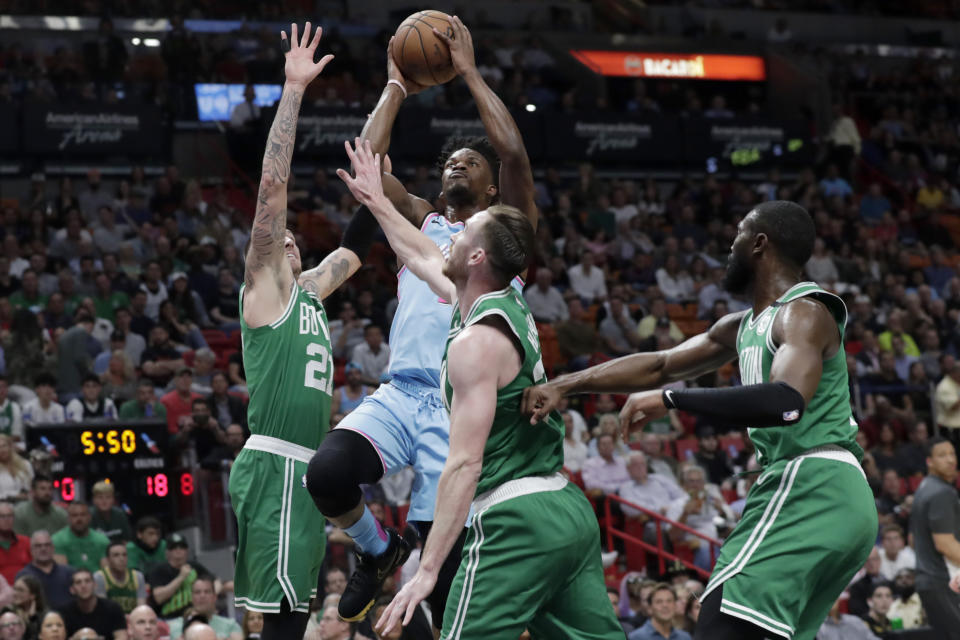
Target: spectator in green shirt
28 297
39 512
78 545
107 518
107 301
145 405
147 550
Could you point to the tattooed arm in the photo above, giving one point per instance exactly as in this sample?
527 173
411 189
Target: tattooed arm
324 279
268 274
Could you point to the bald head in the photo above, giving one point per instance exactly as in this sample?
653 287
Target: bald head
200 632
142 624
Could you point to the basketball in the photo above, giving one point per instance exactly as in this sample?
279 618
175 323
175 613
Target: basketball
421 55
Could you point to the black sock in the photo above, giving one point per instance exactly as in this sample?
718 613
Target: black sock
284 625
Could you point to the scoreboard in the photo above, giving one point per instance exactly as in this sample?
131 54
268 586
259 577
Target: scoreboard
132 455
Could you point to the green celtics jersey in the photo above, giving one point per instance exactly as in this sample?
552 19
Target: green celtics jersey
8 413
515 448
123 593
289 366
827 419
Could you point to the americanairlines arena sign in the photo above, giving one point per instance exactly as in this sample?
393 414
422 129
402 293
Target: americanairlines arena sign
61 129
692 66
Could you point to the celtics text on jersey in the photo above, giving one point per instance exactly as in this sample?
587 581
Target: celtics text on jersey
289 367
827 418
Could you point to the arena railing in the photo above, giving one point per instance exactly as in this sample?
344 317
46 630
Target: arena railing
659 549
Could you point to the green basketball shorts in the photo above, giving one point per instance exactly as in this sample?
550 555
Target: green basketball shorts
807 527
531 561
281 538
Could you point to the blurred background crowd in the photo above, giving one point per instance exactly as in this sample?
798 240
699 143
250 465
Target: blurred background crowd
119 276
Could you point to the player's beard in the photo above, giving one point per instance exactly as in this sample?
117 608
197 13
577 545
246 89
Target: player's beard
739 276
459 196
454 270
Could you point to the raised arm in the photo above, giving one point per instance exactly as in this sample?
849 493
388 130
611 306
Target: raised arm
471 417
268 276
323 279
516 177
377 131
413 249
640 371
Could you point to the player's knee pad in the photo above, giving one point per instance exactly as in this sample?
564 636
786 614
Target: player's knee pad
344 461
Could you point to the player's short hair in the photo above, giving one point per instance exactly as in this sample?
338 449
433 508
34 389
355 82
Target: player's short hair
40 477
933 442
508 241
480 144
148 522
891 528
114 543
789 228
205 577
660 586
45 379
80 570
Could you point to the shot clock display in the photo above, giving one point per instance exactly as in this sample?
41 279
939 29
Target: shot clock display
111 442
130 454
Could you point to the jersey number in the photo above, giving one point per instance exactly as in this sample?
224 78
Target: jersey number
316 369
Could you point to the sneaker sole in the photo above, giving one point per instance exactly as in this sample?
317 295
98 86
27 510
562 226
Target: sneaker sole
366 609
360 616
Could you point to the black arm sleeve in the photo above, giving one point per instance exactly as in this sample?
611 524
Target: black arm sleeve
771 404
358 236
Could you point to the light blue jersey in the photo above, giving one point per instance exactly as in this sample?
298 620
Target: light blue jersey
405 420
420 325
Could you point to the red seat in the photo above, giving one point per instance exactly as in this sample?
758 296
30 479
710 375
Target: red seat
576 477
686 448
914 482
636 556
726 442
216 339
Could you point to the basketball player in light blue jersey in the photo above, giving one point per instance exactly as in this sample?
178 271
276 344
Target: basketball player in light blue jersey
404 422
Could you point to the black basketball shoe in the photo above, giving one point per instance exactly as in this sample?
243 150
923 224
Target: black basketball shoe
367 579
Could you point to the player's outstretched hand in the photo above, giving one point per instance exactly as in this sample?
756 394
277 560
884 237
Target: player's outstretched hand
394 73
460 41
406 602
641 408
300 68
367 183
538 401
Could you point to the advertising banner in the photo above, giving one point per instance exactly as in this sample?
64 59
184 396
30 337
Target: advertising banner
92 129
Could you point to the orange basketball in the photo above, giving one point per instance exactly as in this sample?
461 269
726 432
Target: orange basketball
421 55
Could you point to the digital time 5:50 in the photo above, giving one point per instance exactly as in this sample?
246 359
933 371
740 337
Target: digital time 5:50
112 441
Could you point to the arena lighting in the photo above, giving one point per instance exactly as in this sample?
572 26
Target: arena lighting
531 108
151 42
693 66
135 41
